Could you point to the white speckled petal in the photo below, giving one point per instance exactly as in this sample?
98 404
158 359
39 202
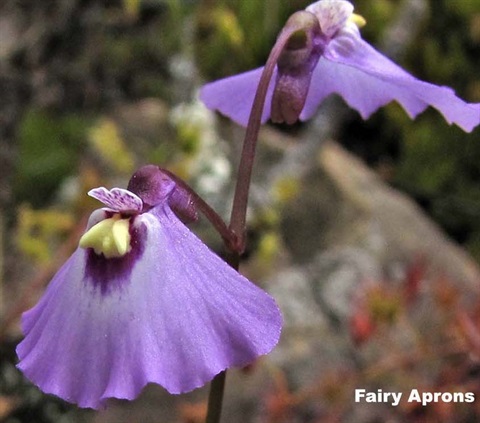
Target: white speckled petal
331 14
118 199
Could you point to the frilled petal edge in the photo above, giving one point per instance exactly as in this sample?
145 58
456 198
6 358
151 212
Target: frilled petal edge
367 80
179 318
233 96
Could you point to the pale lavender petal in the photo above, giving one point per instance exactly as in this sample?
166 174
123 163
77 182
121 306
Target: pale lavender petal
118 199
378 80
352 85
177 319
233 96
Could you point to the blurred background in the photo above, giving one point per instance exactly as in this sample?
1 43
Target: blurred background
367 233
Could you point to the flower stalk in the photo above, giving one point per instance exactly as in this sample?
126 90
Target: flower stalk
228 236
215 398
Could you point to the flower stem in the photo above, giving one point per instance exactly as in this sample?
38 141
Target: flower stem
215 398
228 236
240 201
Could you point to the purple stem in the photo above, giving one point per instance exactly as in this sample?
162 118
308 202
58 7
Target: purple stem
228 236
240 201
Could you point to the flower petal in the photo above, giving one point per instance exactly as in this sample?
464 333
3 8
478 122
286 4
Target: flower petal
360 90
233 96
118 199
331 14
182 316
378 80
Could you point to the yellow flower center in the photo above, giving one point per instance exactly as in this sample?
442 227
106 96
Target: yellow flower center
358 20
110 237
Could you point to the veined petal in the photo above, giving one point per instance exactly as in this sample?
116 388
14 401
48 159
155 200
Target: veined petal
233 96
379 80
178 317
331 14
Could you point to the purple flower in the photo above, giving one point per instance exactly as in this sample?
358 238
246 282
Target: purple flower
142 300
343 64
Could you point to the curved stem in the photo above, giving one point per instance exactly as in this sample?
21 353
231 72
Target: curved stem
228 236
240 201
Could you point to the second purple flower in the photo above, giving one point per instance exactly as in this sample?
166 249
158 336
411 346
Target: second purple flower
334 59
